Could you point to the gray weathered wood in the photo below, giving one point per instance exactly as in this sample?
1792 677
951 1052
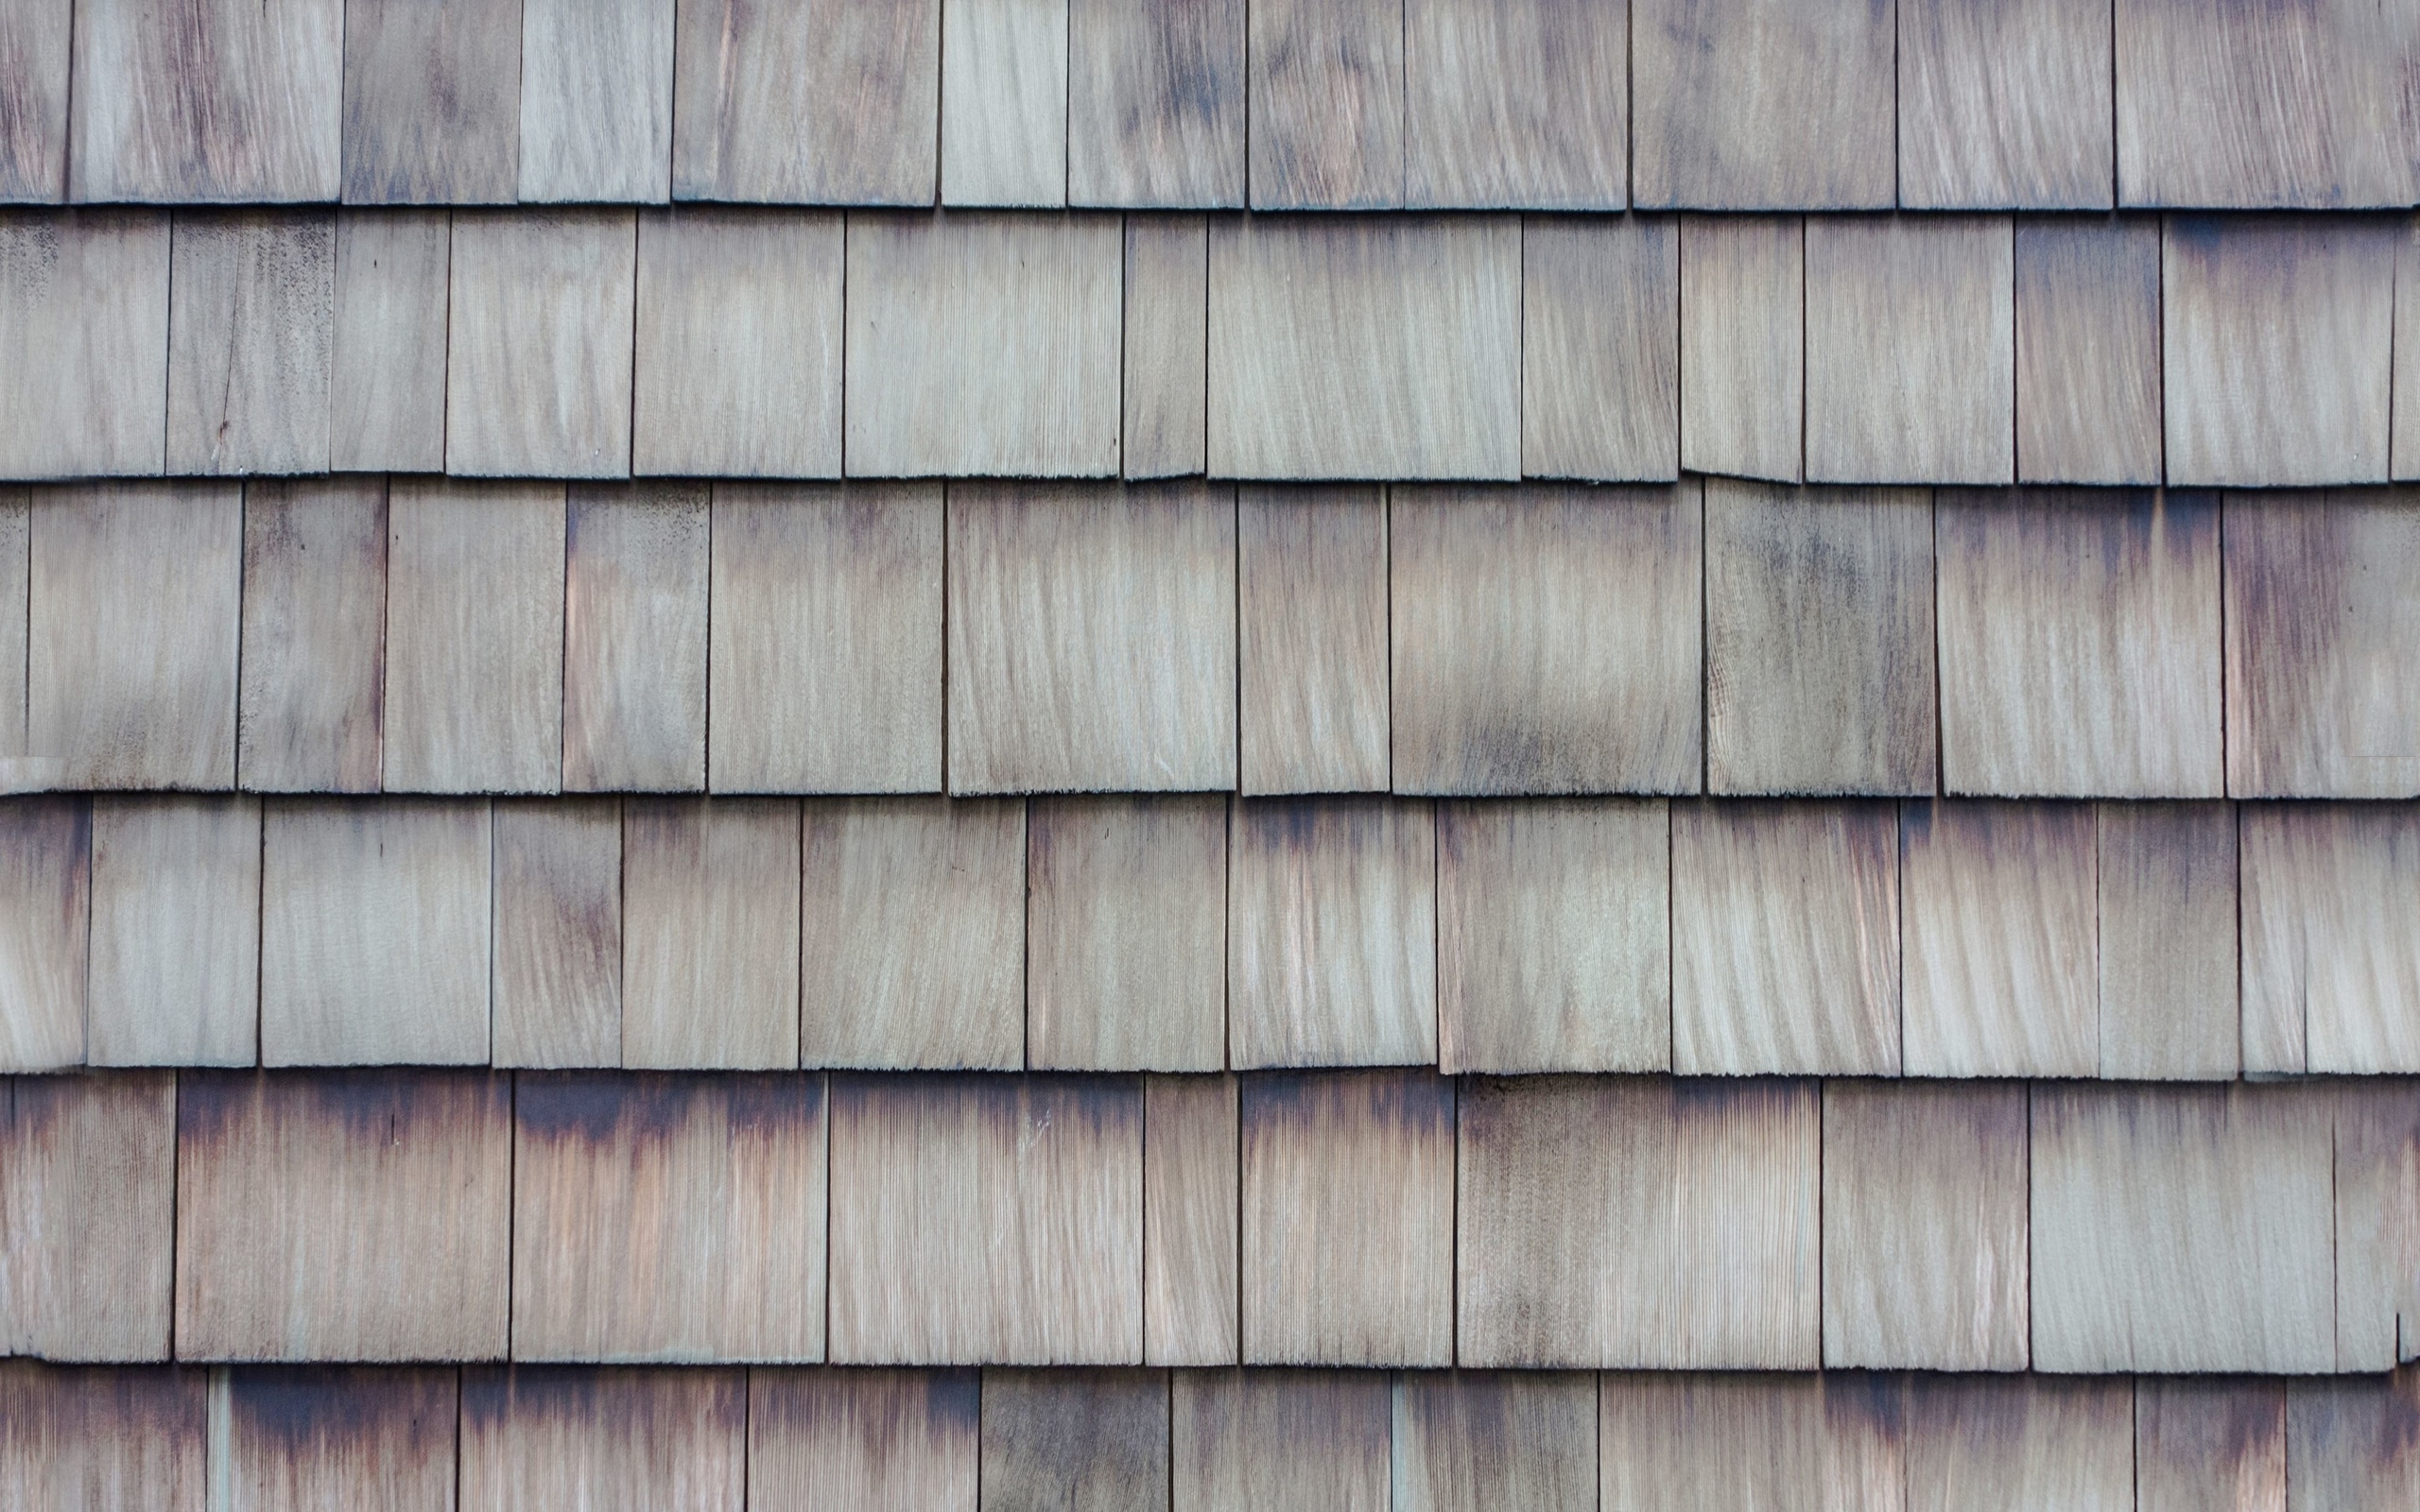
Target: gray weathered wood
379 1441
432 102
374 924
881 1440
2404 451
311 689
2331 964
1126 934
361 1215
1820 639
229 101
1166 339
2275 340
1911 350
1331 934
2168 918
710 933
595 100
1004 102
87 1198
1743 346
1191 1207
175 956
830 102
2015 1443
2377 1245
824 661
913 935
555 971
1601 346
1923 1226
1467 1442
1523 105
1762 104
2087 351
1640 1223
81 1437
2209 1443
1155 103
1785 938
16 562
387 405
1079 1440
1280 1440
1554 937
133 634
538 342
90 291
46 923
2353 1443
2004 107
1327 99
1092 638
1312 611
738 356
1371 347
636 579
1702 1443
34 39
603 1440
251 329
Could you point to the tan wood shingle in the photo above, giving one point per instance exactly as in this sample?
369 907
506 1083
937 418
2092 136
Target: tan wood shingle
2169 955
555 969
710 933
1600 346
432 102
367 1438
87 1197
1743 345
538 340
636 573
595 100
1004 102
1463 1442
879 1440
1166 336
1082 1440
311 680
91 292
252 333
2003 1444
603 1440
1191 1207
1327 99
1519 106
2087 350
1280 1440
174 951
45 923
1155 103
2004 106
386 383
76 1438
1312 640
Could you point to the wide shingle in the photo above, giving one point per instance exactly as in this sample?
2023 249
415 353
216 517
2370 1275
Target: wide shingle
1517 105
432 102
252 331
710 933
1155 103
336 1437
91 290
882 1440
1280 1440
1600 355
603 1440
538 348
2003 106
595 100
1326 95
1086 1440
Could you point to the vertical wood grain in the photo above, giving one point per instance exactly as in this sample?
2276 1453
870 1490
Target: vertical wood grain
1600 349
174 951
555 969
1327 99
1155 103
2088 402
1004 102
595 100
2004 107
539 343
2377 1182
91 291
2170 1006
1312 629
635 576
1467 1442
386 399
2353 1443
1280 1440
710 933
45 926
2005 1443
1523 105
1743 346
378 1440
252 332
81 1437
1696 1443
603 1440
2404 451
16 562
34 40
87 1197
1166 340
1191 1207
2331 966
881 1440
1082 1440
311 688
2209 1443
432 102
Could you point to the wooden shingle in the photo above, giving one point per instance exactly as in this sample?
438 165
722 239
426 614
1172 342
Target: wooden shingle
351 1215
2377 1182
16 562
2276 341
1191 1205
555 962
1373 347
2331 963
432 102
252 333
1082 1441
35 39
2003 1444
603 1440
737 371
1004 102
90 291
1312 640
1553 937
1520 106
378 1440
1743 345
1155 103
710 933
1911 350
2087 351
1464 1442
1696 1443
2200 1443
881 1440
311 686
2079 644
824 663
2404 448
82 1437
595 100
2168 952
1092 638
87 1198
636 573
1326 100
1166 339
2003 106
1819 640
175 953
1280 1440
386 399
538 342
46 924
375 927
1601 346
2353 1443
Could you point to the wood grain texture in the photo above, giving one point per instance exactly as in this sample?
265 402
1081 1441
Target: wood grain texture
983 345
222 101
1743 345
1763 105
82 1438
1545 640
1082 1440
2087 351
2183 1229
882 1440
2209 1443
595 100
374 932
1313 631
90 291
1464 1442
1601 346
1554 937
432 102
1371 347
1524 106
132 633
1911 350
555 957
913 953
824 658
1326 102
998 1219
175 952
1785 938
539 343
1820 639
603 1440
380 1440
2010 1444
710 933
1191 1209
2079 644
1697 1443
2404 450
310 695
17 564
2275 339
1331 934
2321 617
252 333
351 1215
475 637
2004 107
1004 102
1126 906
1636 1223
833 102
1923 1226
668 1218
386 394
737 371
2265 106
636 579
46 924
1280 1440
1155 103
1092 638
2351 1443
1166 339
2331 967
86 1201
2377 1182
2170 1008
34 41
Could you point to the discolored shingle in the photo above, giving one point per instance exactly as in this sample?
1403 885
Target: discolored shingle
1743 345
252 332
432 102
1155 103
2003 106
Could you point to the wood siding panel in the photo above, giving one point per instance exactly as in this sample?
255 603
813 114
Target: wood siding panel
539 343
2167 875
2331 963
45 926
175 953
2011 1444
555 974
1464 1442
2209 1443
2377 1183
310 697
603 1440
2004 107
1280 1440
377 1440
1155 103
82 1438
386 398
87 1199
252 335
1004 102
1743 346
878 1441
1521 106
1167 337
2088 400
710 933
2353 1443
432 102
2404 454
1601 346
1313 625
34 38
636 575
1700 1443
91 291
17 564
1327 99
595 100
1081 1441
1192 1205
